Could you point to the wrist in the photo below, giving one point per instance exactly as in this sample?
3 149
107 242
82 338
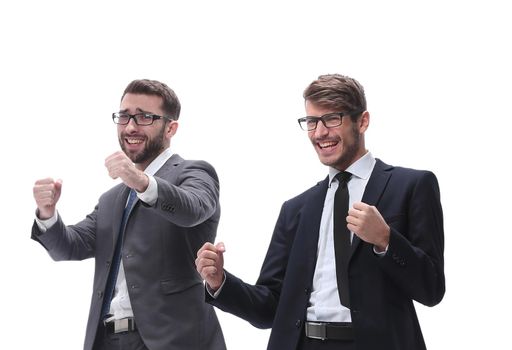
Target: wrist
44 214
144 183
382 246
214 286
216 283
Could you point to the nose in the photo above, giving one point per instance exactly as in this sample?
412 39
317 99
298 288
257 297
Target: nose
132 125
321 129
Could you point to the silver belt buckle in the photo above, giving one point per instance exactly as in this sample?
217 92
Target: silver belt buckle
121 325
315 330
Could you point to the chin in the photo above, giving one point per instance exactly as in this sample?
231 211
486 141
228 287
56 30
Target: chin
327 161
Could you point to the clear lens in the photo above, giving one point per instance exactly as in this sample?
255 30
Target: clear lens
332 120
144 119
306 124
310 123
122 118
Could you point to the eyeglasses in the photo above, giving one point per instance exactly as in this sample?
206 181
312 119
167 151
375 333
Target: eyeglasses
139 118
330 120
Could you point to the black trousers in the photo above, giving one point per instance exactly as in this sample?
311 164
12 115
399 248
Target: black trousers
318 344
121 341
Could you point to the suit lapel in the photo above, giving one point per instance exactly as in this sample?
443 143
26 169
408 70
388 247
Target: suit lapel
117 211
311 217
373 191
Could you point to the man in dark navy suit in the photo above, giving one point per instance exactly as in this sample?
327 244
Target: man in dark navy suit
317 293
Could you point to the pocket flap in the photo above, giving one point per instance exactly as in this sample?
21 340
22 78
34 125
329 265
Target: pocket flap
176 285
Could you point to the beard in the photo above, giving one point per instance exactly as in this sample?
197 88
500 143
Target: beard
351 147
153 148
350 150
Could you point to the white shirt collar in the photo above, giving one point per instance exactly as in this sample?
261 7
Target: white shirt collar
157 163
361 168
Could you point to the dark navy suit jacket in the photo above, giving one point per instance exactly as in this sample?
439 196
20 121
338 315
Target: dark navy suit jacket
382 289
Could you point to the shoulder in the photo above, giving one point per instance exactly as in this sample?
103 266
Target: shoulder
314 191
381 166
405 175
177 161
177 167
112 193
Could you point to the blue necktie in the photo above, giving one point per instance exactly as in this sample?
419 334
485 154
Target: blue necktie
116 258
342 242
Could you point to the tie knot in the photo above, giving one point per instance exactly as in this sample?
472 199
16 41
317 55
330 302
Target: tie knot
343 177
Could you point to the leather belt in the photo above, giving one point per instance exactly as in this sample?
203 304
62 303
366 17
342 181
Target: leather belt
122 325
329 330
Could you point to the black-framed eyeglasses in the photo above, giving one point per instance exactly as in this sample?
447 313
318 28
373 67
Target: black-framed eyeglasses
330 120
139 118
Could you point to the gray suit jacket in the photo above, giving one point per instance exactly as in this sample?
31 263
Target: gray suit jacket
159 250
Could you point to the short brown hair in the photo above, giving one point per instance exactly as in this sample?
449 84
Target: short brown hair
170 105
338 92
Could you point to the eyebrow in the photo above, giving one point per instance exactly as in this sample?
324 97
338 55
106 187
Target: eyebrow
326 115
137 109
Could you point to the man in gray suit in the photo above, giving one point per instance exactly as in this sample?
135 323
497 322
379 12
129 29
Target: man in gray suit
143 233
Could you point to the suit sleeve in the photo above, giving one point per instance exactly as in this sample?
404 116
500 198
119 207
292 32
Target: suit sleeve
74 242
257 303
415 258
193 198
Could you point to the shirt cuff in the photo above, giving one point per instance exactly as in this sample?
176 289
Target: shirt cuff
215 294
150 195
381 253
44 225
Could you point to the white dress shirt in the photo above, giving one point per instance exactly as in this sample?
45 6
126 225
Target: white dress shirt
120 307
325 303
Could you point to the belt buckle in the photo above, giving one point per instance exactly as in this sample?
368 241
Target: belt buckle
121 325
316 327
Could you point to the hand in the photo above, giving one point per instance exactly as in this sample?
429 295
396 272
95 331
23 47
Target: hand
120 166
47 194
369 225
210 264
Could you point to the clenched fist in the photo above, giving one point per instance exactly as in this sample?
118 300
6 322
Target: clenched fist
120 166
369 225
210 264
47 194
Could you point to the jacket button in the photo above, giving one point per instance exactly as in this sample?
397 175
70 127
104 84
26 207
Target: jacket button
107 264
100 294
298 324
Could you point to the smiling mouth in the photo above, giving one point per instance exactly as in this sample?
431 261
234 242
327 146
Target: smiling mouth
327 144
133 141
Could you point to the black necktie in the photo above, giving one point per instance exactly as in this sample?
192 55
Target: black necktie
342 240
116 258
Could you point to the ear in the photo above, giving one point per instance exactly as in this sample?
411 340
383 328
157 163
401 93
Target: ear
364 122
171 128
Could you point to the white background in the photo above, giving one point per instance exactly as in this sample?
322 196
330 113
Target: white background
437 76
